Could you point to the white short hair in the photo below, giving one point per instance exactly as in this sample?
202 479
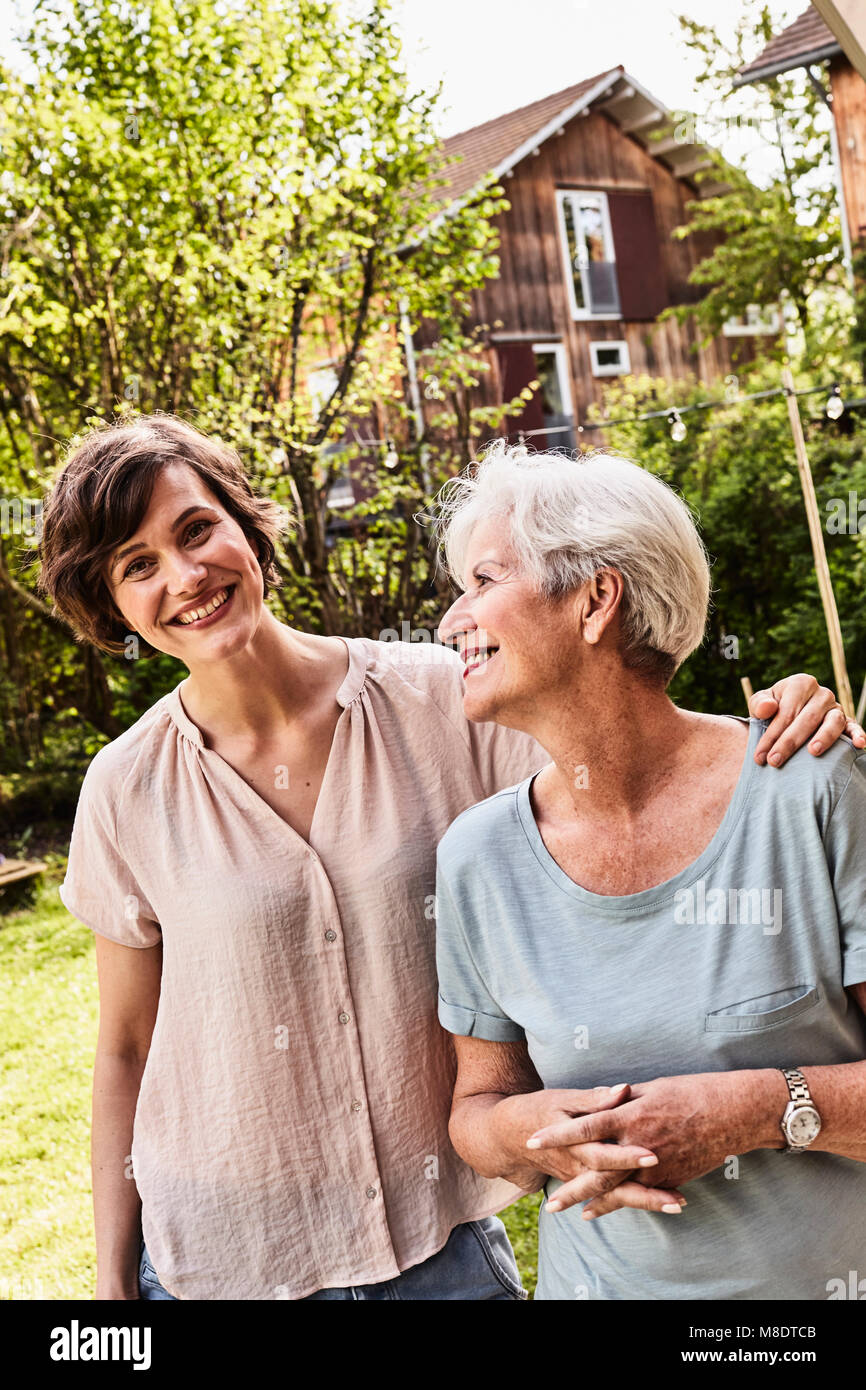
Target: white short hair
571 517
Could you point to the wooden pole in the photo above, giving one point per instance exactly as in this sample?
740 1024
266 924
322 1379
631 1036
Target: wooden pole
747 689
822 569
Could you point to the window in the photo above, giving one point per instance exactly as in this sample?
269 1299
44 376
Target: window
610 359
551 369
341 494
590 261
321 385
754 322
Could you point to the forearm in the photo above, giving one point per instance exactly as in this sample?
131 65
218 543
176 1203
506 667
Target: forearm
490 1131
839 1094
116 1203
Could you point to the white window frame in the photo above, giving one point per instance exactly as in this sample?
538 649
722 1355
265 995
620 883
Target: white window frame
319 391
567 193
562 372
625 356
765 320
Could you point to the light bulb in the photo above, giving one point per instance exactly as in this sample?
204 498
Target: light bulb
392 458
678 429
835 405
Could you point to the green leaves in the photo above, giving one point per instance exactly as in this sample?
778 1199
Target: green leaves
777 225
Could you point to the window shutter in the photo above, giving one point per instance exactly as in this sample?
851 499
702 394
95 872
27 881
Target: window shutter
517 368
643 291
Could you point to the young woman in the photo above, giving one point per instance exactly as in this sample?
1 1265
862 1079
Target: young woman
256 855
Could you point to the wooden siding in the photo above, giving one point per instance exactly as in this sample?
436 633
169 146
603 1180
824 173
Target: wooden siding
529 300
849 111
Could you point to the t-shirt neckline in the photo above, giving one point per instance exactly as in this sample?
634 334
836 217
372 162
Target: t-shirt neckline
648 897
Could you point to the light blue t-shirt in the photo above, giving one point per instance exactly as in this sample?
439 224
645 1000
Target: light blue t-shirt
739 961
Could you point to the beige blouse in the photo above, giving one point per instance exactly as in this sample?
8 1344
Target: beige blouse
291 1131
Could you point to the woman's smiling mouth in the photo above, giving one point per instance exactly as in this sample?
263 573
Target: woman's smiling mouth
205 612
477 658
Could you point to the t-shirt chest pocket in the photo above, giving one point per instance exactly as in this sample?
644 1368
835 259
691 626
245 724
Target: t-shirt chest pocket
763 1011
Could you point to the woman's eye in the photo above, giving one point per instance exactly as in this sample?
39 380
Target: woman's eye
191 535
480 577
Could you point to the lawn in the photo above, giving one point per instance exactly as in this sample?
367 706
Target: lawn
48 1022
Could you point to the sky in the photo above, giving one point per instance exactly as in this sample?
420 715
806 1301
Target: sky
495 55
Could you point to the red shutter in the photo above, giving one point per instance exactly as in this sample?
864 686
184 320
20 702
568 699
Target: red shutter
643 291
517 369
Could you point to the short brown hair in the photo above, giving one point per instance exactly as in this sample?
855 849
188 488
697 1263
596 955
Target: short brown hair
100 497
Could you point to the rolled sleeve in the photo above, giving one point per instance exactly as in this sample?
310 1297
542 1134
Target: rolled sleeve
472 1023
466 1006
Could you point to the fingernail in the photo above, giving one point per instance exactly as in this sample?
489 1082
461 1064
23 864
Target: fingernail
775 759
647 1162
621 1086
553 1205
672 1208
589 1216
533 1143
815 747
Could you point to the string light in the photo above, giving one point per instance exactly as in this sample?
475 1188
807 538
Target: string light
668 412
678 429
835 405
392 458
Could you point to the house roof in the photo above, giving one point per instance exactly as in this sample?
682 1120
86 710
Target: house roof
496 146
807 40
487 146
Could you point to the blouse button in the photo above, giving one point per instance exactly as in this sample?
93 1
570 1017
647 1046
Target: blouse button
344 1018
356 1105
330 935
371 1192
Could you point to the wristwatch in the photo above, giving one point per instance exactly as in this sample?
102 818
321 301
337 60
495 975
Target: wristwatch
801 1123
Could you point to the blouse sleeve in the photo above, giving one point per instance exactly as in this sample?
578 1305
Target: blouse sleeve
844 840
99 888
504 756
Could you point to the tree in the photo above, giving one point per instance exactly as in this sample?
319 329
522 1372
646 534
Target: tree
204 201
779 240
737 470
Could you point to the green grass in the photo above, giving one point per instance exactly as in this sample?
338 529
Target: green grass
521 1223
48 1023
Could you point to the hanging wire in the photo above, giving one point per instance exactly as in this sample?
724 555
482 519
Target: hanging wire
672 413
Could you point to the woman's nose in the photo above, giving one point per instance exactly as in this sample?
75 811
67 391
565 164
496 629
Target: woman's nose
454 621
184 574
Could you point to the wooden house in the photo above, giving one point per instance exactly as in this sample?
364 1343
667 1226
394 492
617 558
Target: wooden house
598 177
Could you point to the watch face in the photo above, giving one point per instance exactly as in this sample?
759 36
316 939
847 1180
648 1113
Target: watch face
803 1125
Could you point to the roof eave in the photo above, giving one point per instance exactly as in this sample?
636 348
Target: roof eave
799 60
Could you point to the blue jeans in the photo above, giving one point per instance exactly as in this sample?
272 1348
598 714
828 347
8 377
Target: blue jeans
477 1262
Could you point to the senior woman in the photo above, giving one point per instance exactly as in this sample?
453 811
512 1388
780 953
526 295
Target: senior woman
256 856
657 914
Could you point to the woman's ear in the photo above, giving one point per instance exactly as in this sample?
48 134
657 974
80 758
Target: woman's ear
602 596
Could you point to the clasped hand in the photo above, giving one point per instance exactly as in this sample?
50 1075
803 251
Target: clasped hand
631 1146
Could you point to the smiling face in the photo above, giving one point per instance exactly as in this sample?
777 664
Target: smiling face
515 644
188 581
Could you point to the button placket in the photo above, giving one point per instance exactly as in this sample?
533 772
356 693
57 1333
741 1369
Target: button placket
356 1083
